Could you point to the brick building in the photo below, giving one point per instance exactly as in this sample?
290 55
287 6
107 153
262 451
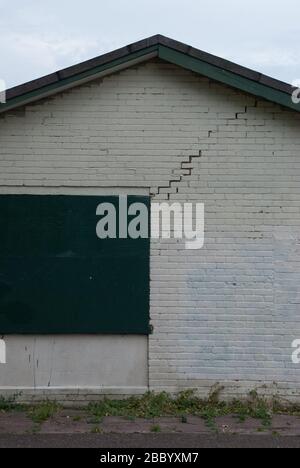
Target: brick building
158 120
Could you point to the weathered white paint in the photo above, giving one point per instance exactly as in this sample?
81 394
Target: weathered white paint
2 352
227 313
98 363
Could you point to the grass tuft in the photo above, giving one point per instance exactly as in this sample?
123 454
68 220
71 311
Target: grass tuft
44 411
7 404
156 428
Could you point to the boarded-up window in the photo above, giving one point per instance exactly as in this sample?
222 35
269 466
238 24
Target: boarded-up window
57 276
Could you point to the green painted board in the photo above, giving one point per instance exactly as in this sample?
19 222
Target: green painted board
57 276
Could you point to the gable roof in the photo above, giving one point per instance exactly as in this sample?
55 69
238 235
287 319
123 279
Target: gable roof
167 49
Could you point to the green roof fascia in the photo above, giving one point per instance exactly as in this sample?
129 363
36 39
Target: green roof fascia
227 77
53 87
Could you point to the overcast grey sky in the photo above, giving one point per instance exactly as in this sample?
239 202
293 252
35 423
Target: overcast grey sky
38 37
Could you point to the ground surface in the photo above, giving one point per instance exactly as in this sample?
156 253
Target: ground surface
77 428
156 441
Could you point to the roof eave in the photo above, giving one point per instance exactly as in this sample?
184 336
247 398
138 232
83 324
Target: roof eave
167 49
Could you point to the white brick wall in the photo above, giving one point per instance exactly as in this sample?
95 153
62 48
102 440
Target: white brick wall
227 313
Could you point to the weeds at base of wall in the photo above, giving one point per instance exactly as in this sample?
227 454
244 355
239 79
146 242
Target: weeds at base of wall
44 411
8 404
38 413
154 405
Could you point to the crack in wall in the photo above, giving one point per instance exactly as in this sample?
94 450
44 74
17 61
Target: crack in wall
186 167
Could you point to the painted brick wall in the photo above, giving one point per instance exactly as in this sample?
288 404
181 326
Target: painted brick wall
227 313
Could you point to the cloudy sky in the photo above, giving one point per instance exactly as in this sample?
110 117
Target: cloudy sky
38 37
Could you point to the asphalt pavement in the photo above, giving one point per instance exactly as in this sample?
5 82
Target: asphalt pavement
169 441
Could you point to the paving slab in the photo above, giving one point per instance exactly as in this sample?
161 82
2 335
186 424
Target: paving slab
67 422
15 423
81 422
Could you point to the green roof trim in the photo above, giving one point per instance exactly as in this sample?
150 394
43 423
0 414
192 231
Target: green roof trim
166 49
226 77
39 93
